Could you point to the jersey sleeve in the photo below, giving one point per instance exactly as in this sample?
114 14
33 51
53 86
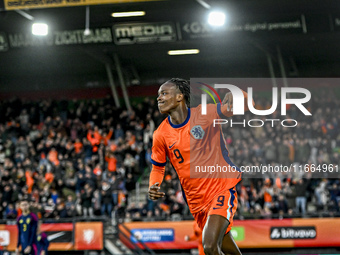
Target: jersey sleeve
223 111
158 160
158 156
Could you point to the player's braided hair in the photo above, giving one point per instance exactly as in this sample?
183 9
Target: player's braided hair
184 86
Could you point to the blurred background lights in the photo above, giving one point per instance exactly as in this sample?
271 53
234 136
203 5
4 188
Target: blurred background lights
127 14
216 18
40 29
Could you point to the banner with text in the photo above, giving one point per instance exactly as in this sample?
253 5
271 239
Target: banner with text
57 38
62 236
282 25
34 4
135 33
286 233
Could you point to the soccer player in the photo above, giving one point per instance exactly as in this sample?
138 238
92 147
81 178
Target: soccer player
42 241
212 201
27 230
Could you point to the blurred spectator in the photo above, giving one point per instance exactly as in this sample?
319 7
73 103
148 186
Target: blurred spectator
96 201
334 192
86 200
60 211
11 212
282 205
129 163
49 209
321 195
106 199
300 192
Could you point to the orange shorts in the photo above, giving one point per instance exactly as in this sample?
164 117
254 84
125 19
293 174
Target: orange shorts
224 204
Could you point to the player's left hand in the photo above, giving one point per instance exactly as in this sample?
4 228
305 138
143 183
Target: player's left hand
154 193
28 249
228 99
42 253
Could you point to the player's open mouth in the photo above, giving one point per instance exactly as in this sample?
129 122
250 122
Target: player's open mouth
160 103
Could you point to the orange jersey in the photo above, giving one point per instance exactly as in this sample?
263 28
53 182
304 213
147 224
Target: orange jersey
194 143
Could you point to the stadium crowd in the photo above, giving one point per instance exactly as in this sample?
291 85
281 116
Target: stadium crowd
83 158
72 157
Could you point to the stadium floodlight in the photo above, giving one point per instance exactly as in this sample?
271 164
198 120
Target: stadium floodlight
87 31
40 29
216 18
127 14
183 52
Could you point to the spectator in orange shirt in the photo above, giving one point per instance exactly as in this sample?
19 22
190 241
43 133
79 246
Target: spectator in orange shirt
130 138
113 147
78 146
107 137
98 170
94 137
53 156
267 193
111 161
49 177
29 180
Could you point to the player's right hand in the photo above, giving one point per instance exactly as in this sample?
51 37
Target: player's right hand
154 193
28 249
17 251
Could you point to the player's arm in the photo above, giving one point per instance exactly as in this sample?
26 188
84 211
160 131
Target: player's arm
33 231
158 160
108 137
46 243
19 235
227 104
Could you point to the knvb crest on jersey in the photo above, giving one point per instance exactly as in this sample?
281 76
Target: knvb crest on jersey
197 132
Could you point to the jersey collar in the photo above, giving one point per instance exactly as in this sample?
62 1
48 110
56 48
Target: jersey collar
182 124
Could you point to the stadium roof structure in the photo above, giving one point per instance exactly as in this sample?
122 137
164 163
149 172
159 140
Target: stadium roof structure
305 32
